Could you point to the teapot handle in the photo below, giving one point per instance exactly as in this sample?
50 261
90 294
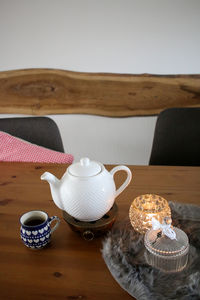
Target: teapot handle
127 181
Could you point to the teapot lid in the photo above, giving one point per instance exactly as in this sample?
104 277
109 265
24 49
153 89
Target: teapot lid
85 168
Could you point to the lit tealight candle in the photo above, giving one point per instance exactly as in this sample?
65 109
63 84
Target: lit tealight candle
144 207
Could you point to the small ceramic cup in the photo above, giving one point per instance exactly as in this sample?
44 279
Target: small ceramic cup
35 228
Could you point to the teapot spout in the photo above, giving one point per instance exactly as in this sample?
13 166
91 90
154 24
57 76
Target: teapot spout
54 187
50 178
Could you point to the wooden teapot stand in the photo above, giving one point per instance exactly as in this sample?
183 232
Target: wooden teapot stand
90 230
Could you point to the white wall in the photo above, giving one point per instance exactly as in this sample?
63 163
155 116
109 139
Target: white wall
122 36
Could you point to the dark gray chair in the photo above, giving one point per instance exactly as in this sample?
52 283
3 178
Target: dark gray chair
177 138
41 131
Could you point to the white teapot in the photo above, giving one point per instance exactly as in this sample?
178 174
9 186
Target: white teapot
87 190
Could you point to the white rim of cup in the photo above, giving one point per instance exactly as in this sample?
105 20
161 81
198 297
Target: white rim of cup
28 214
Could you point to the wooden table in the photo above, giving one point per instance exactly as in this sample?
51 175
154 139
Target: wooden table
70 268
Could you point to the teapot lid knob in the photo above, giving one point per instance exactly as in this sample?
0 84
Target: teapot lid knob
85 161
85 168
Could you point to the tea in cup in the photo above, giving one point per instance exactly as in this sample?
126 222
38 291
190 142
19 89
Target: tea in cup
35 228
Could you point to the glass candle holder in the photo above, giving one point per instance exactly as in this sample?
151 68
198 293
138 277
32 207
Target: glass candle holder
165 254
144 207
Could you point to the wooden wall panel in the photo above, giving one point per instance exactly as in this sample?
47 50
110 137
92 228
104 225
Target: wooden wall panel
52 91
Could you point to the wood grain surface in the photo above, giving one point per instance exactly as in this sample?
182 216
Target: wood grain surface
53 91
70 267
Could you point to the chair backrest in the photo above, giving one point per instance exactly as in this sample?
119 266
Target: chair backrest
41 131
177 138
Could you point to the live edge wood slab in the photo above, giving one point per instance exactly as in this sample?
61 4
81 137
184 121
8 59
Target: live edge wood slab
70 267
53 91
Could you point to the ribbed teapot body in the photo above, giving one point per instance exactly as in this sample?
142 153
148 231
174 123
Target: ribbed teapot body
88 198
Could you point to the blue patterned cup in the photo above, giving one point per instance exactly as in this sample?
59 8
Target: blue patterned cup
35 228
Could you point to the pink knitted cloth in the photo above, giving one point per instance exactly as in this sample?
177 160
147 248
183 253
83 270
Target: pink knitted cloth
14 149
